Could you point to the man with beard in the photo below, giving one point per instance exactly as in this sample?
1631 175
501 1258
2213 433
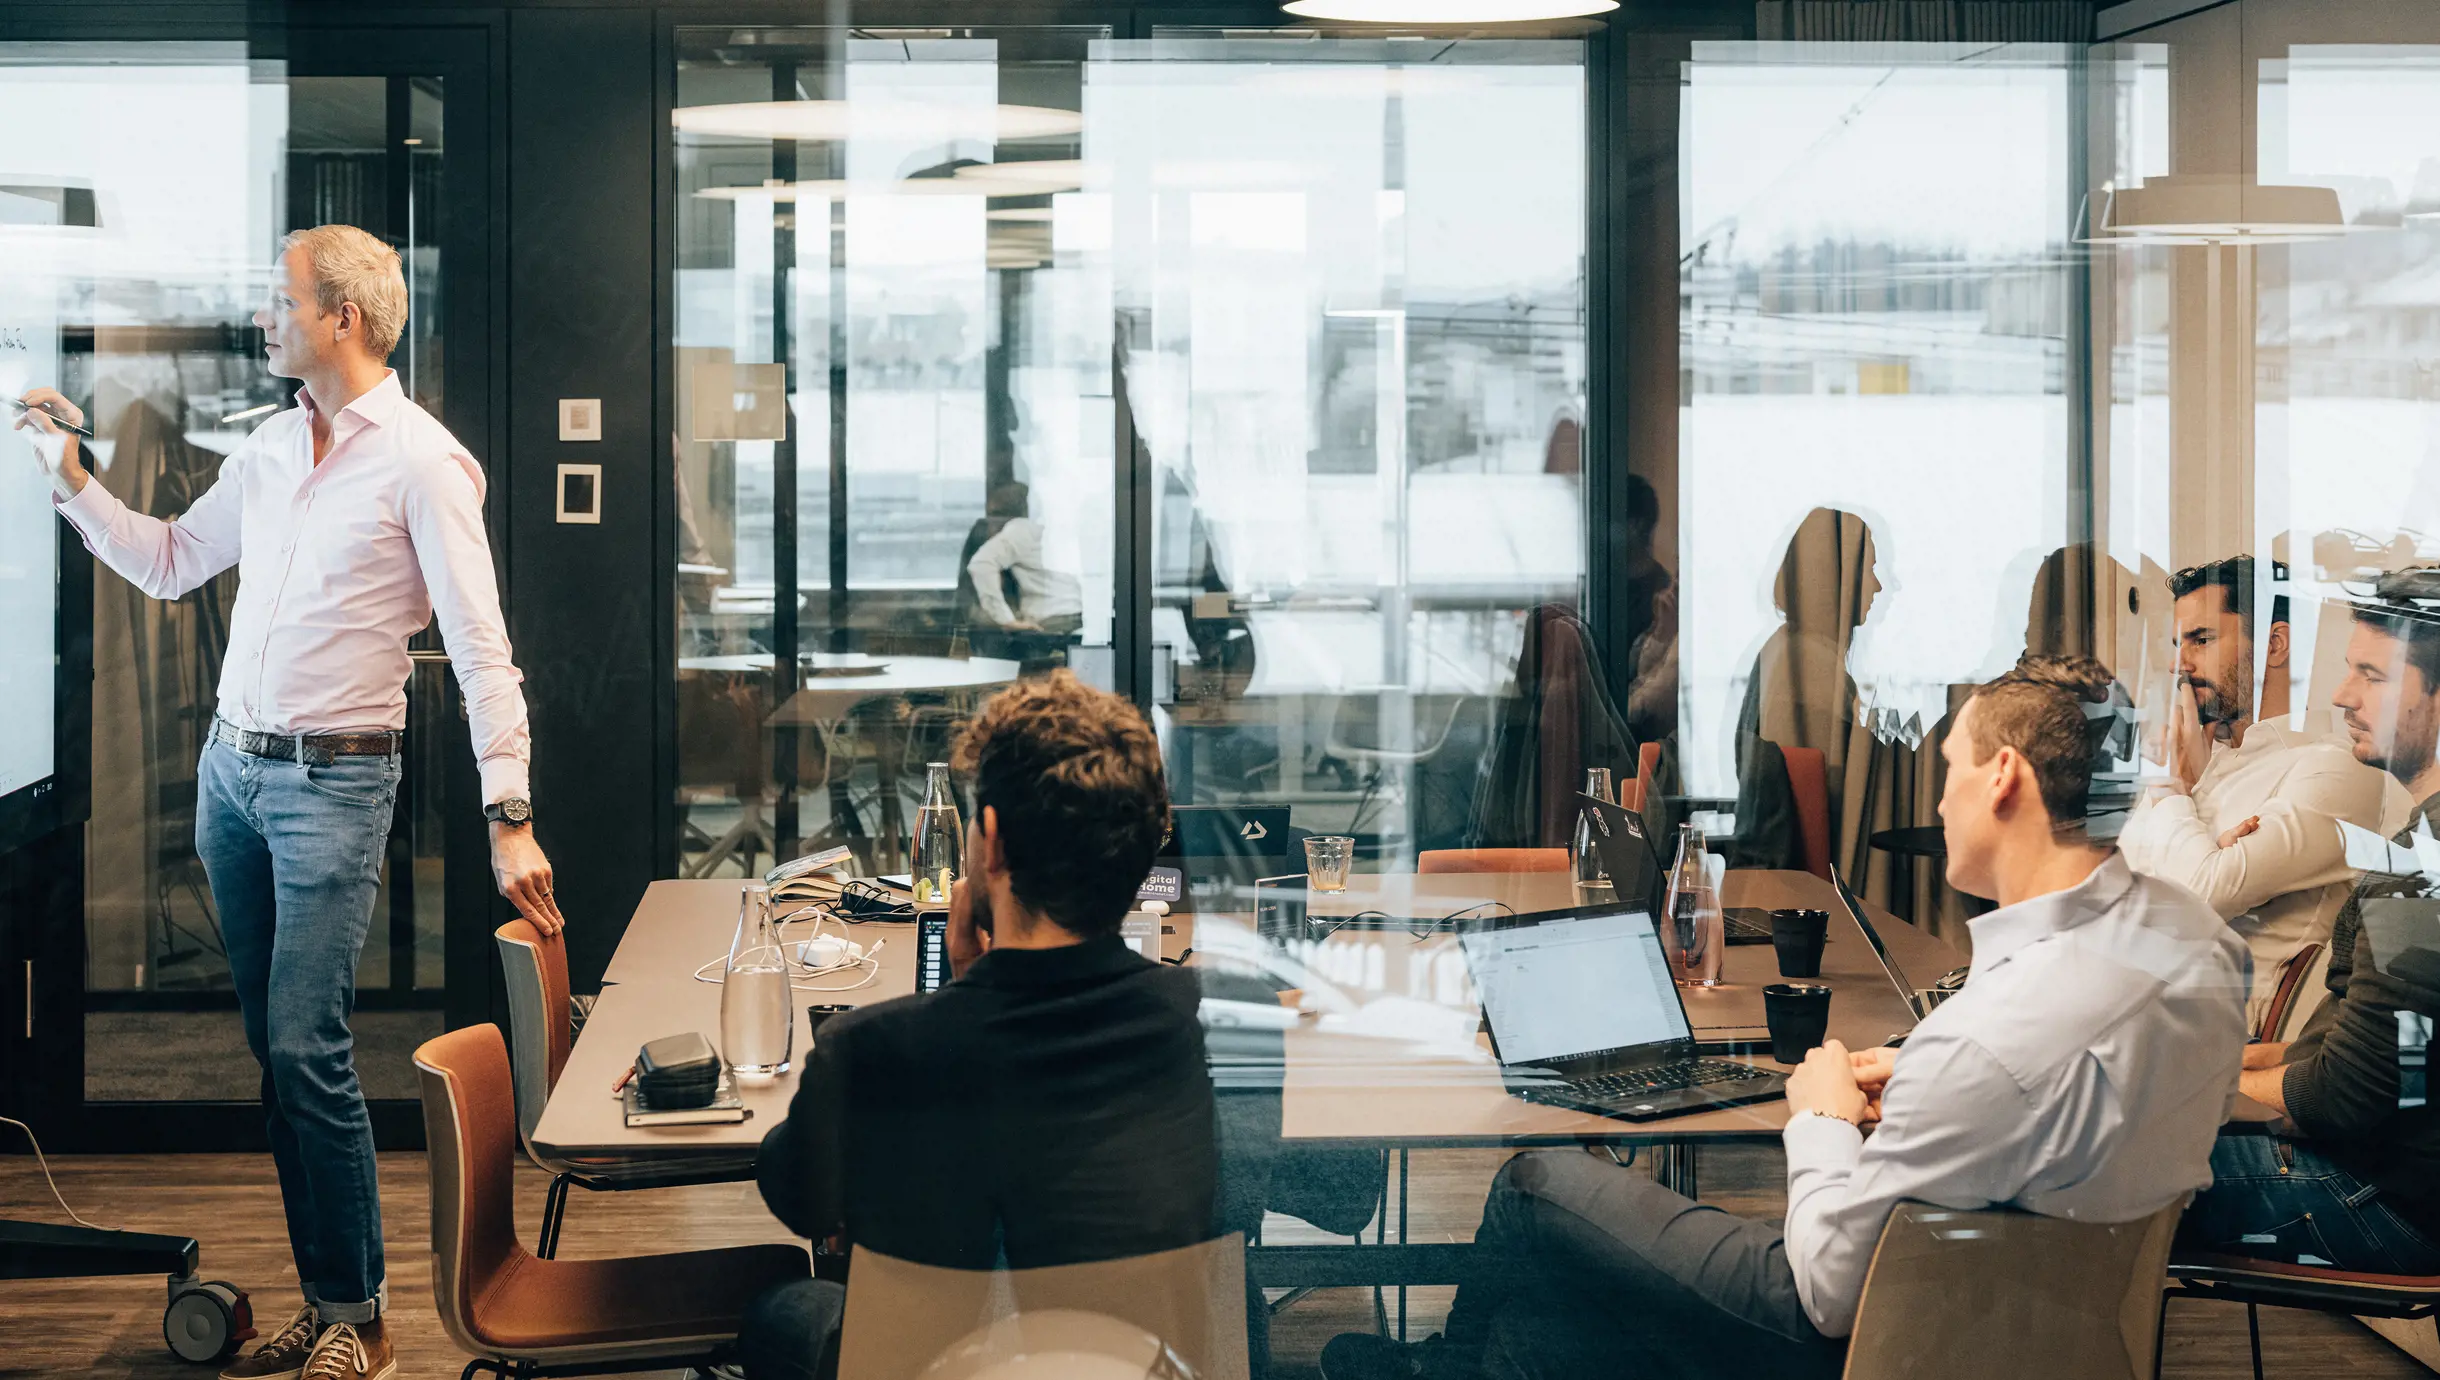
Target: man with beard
2352 1180
2248 817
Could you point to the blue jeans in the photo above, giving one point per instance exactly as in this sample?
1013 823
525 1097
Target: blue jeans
294 853
2277 1199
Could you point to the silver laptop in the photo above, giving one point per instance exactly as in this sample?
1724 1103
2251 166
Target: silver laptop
1584 1014
1915 1003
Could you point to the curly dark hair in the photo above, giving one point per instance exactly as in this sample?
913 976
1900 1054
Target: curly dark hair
2037 707
1074 776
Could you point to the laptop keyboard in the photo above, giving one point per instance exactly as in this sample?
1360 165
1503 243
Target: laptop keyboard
1643 1082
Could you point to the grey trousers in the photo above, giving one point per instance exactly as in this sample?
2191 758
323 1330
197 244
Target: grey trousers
1616 1276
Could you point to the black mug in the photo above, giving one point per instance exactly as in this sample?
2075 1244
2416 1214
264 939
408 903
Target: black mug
1798 1014
1798 936
816 1015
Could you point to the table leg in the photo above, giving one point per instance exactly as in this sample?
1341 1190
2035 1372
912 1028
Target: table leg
1673 1166
1402 1238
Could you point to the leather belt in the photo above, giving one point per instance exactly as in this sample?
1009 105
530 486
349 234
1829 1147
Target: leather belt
311 749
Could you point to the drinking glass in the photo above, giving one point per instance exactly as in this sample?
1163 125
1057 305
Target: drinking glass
757 1022
1326 860
1696 928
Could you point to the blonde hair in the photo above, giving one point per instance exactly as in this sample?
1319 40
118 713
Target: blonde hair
352 266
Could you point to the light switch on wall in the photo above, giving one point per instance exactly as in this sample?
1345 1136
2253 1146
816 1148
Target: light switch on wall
580 493
580 419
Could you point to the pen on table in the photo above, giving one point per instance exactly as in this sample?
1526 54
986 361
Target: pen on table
621 1085
54 418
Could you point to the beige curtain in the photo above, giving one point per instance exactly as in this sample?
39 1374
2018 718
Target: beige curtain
1926 21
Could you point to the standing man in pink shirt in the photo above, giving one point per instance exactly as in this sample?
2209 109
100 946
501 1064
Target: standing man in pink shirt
353 518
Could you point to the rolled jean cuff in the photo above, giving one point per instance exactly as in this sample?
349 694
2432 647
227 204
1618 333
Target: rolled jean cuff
363 1311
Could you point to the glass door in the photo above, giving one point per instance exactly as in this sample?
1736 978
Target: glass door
198 163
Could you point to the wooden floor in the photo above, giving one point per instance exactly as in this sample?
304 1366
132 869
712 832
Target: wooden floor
110 1328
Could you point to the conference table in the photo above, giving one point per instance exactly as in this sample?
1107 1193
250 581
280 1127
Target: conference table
1403 1070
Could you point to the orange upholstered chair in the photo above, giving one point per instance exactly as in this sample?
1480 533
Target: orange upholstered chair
1809 782
523 1315
1492 860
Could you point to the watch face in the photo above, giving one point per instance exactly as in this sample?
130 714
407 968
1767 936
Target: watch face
515 811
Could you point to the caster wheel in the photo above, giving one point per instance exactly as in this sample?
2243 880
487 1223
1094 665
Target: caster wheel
207 1322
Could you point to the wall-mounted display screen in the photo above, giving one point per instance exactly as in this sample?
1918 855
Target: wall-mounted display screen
29 545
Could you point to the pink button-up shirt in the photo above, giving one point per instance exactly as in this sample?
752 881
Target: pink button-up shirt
338 564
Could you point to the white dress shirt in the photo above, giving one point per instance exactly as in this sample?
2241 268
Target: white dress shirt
1042 593
338 564
2280 887
2083 1071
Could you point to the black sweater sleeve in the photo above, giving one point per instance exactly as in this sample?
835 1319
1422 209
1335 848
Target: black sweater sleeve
2346 1084
802 1167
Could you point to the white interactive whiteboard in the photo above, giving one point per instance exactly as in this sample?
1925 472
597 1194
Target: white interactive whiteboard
29 542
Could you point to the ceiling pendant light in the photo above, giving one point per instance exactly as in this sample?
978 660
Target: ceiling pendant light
2217 208
1447 11
890 119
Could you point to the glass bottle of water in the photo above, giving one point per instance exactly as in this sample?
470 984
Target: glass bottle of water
1584 853
1696 932
939 838
757 1025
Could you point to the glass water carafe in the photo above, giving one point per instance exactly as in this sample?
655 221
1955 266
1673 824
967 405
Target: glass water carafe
1584 853
757 1023
939 837
1695 934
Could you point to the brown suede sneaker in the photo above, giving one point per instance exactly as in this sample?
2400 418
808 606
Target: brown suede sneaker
352 1351
283 1357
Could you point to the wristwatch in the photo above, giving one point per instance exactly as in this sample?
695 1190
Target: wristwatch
516 809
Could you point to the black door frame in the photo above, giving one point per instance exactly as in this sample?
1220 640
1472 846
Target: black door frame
41 885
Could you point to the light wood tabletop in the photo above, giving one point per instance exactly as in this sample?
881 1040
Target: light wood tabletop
1394 1073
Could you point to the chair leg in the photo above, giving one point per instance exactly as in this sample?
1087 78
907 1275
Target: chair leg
2253 1334
554 1211
2160 1333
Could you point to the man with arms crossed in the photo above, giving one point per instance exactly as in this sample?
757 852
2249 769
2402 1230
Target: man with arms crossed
2354 1180
2248 817
352 518
2081 1072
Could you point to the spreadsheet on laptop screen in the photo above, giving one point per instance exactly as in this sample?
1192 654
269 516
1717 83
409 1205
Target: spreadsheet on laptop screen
1562 988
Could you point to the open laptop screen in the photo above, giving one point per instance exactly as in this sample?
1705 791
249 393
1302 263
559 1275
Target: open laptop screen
1571 986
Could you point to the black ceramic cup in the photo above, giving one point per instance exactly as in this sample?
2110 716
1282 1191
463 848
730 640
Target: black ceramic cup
1798 1014
816 1015
1798 935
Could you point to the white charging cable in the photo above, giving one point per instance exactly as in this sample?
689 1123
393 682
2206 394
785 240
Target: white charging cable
842 954
46 1173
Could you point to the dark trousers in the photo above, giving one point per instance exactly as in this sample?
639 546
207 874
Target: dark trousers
2277 1199
791 1331
1613 1275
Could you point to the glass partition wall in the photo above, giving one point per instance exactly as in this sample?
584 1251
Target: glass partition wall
1242 374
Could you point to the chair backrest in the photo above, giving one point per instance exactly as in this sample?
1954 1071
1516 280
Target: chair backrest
1809 782
1999 1294
539 1037
470 1137
901 1315
1636 789
1491 860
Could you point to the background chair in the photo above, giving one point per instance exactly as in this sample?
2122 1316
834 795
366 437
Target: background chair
1999 1294
901 1315
1637 789
540 1034
1809 782
1491 860
2261 1283
522 1315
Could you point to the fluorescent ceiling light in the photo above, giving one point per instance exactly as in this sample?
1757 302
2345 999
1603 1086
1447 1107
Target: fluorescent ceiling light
833 189
2218 208
839 121
1020 213
1029 177
1447 11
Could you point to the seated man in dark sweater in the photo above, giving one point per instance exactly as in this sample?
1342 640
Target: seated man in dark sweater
2353 1178
1051 1104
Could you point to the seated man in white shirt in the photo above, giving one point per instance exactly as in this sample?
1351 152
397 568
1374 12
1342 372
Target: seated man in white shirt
2083 1071
2248 818
1048 600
